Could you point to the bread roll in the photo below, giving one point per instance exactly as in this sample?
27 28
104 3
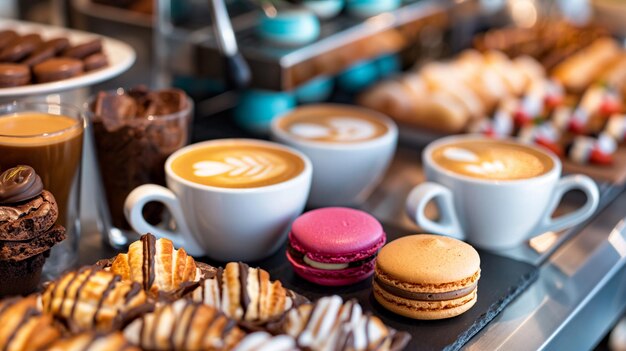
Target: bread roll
513 79
615 74
581 69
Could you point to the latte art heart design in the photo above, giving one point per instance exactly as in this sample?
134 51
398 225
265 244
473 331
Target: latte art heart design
348 129
252 166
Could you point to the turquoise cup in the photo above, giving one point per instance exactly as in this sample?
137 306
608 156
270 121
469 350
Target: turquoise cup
289 27
358 76
388 65
257 109
316 90
324 9
367 8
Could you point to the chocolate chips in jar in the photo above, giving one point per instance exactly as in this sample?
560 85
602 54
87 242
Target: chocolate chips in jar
135 131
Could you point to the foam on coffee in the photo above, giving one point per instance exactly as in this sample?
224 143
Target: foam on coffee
333 124
492 159
237 165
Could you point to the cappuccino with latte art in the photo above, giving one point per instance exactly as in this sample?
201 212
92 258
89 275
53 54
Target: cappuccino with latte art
333 124
492 159
237 165
231 199
350 148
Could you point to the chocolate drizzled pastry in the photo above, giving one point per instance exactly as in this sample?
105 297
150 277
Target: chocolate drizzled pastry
91 341
134 133
94 299
24 327
27 229
28 219
245 294
264 341
18 184
330 324
156 265
21 250
185 326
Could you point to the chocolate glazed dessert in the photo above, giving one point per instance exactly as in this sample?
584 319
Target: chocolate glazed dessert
135 132
27 229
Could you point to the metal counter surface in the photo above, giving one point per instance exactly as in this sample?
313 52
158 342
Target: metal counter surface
581 289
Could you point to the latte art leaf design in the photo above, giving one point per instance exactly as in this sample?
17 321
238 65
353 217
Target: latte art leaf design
247 166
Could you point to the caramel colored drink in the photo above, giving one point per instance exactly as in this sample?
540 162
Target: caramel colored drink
492 159
237 165
49 138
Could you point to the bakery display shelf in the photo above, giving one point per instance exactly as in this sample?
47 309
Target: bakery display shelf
284 68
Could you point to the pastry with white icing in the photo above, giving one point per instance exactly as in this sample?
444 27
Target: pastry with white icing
244 294
332 325
184 326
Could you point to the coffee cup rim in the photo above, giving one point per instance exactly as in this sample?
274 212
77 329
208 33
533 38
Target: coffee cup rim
170 172
392 129
427 160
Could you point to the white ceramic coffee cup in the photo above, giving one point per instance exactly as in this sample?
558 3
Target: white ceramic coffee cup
344 174
226 224
496 214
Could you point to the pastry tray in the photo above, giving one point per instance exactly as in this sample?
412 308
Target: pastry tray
502 280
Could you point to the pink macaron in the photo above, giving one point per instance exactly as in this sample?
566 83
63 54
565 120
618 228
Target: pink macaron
335 246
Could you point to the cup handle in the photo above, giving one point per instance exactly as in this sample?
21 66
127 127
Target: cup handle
566 184
416 205
140 196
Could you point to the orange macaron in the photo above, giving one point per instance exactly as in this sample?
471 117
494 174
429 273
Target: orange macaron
427 276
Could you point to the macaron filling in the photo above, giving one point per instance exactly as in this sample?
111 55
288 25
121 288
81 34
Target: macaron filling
411 295
305 260
325 266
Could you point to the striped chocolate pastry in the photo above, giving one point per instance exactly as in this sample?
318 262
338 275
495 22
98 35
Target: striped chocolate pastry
156 265
262 341
245 294
24 327
184 325
332 325
93 299
93 342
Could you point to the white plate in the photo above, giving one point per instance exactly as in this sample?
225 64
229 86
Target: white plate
120 55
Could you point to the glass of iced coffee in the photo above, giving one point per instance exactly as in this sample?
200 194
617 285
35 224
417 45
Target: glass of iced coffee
49 138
